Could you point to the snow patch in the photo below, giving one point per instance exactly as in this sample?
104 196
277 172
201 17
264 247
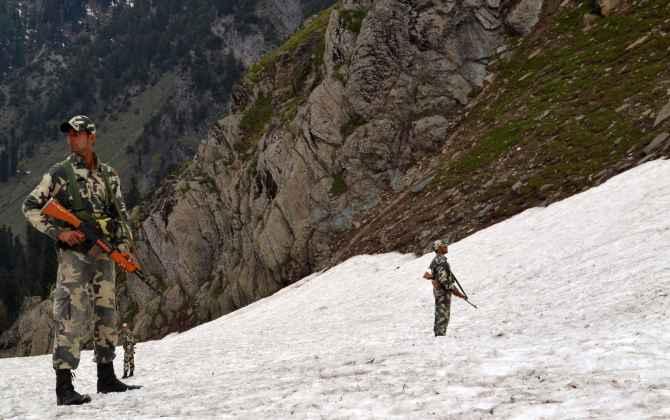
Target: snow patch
573 323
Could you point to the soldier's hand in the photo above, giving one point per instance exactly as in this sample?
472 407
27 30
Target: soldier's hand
126 252
130 256
428 275
71 237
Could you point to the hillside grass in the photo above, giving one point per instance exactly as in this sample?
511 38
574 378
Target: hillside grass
316 24
570 102
287 88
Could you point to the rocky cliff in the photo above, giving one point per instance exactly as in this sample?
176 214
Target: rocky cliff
320 130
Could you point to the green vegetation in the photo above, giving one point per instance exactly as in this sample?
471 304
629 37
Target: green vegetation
317 24
290 110
353 19
253 123
570 102
339 186
487 151
211 186
184 187
306 49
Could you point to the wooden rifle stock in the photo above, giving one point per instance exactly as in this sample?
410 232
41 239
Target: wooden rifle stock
56 211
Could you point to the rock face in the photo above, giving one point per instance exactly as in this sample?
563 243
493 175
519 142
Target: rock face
524 16
32 334
319 131
610 7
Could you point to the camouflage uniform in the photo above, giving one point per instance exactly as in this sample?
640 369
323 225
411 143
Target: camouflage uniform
441 272
128 342
85 289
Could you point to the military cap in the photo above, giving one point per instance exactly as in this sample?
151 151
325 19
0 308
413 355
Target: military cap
78 123
438 243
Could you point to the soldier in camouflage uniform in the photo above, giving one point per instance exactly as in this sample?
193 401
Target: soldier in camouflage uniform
443 286
85 293
128 343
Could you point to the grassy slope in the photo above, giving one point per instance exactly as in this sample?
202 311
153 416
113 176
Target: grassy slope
556 100
282 91
568 109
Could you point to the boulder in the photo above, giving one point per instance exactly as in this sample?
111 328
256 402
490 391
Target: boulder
524 16
611 7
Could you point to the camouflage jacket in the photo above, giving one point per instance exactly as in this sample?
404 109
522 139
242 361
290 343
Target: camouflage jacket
441 271
128 342
97 202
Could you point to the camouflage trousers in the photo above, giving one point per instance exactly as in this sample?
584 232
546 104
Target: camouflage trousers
442 310
85 297
128 360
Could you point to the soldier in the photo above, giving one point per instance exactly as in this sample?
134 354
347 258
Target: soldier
85 285
128 343
443 286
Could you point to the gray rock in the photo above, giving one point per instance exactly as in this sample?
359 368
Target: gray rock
663 115
657 143
524 16
488 20
610 7
589 20
421 185
32 333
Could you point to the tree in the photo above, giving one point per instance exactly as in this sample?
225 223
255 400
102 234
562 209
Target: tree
13 157
10 292
4 165
6 248
41 262
19 51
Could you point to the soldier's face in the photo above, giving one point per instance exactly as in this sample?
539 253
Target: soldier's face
80 141
443 249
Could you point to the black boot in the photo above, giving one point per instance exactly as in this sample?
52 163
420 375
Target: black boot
65 393
131 372
107 381
125 374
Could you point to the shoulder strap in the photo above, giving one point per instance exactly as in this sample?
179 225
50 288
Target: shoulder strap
73 187
114 200
111 197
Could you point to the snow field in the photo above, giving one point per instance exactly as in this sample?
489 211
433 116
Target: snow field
572 323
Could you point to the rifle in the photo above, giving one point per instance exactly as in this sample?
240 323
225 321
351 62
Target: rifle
465 295
93 238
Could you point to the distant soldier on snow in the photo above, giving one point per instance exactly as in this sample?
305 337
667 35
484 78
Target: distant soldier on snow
85 293
128 342
443 286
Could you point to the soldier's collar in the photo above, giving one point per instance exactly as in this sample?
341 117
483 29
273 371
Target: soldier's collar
78 161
